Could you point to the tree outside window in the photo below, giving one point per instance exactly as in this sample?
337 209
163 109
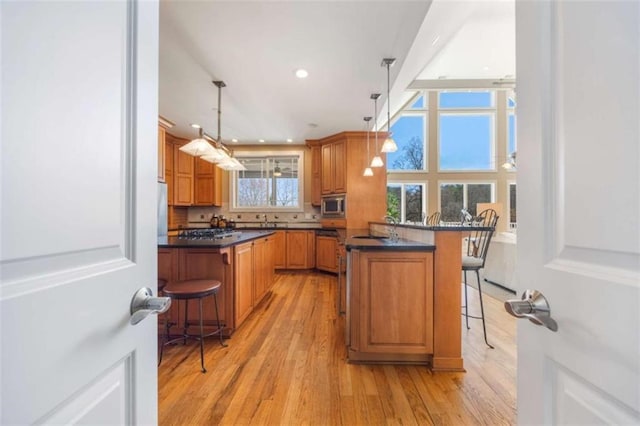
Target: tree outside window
406 201
409 132
456 196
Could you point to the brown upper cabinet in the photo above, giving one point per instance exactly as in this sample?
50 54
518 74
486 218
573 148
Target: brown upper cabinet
342 158
334 168
190 181
183 168
208 184
316 175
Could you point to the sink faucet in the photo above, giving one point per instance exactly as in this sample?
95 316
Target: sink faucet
393 234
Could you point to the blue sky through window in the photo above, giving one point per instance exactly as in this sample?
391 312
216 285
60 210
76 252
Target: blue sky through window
408 132
466 99
511 142
466 141
419 103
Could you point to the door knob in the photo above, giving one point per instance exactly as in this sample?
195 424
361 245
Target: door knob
143 303
533 306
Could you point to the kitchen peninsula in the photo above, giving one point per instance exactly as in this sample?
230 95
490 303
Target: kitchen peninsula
242 261
403 297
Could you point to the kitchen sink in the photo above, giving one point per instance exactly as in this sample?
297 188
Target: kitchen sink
371 237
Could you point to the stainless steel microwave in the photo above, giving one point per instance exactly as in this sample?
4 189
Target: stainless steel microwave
333 206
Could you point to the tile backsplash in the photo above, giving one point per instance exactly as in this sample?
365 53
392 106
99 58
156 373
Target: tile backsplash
204 214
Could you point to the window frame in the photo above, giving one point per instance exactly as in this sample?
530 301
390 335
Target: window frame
511 226
403 183
233 182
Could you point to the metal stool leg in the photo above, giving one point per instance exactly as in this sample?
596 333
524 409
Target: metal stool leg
484 327
204 370
215 302
185 326
466 302
165 337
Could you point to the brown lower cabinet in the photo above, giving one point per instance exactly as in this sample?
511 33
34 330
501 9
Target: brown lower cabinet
326 253
246 274
294 249
391 307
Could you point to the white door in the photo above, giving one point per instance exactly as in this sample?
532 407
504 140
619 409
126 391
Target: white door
578 88
78 231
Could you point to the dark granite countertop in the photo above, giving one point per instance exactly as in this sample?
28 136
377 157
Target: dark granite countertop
438 228
378 242
238 238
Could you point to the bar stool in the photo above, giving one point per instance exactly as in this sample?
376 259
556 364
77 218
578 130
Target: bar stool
188 290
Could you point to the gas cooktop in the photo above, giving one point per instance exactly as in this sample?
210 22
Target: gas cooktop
206 234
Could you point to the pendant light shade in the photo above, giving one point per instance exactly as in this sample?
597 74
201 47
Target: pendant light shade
199 146
389 144
277 172
377 160
367 170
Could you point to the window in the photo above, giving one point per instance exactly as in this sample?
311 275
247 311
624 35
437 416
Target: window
512 146
468 99
466 141
272 182
406 201
409 132
456 196
418 103
513 220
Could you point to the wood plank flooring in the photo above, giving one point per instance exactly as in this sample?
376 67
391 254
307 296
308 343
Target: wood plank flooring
286 365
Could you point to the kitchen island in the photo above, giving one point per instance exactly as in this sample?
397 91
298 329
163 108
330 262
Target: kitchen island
403 298
241 261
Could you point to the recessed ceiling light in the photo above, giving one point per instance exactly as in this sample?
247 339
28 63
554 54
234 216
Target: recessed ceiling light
289 140
485 68
234 140
302 73
195 126
261 140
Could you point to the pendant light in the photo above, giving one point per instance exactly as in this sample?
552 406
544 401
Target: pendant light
389 144
199 146
377 160
277 172
367 170
222 157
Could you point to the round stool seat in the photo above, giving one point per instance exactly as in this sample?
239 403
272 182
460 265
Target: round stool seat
161 284
192 289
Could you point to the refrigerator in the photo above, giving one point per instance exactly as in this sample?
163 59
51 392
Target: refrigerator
162 210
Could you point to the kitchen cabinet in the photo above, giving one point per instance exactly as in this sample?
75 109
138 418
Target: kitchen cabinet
161 153
391 306
183 175
207 184
244 280
264 267
333 159
280 249
326 253
300 248
343 157
168 167
316 175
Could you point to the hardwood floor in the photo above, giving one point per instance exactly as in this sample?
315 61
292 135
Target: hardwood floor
286 365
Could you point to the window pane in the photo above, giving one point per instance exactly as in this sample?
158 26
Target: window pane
477 193
419 103
413 203
451 202
394 194
511 131
512 204
268 182
466 141
511 101
408 132
466 99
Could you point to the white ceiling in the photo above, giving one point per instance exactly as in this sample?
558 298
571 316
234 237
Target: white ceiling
256 46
